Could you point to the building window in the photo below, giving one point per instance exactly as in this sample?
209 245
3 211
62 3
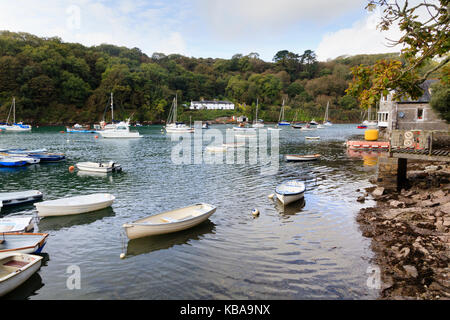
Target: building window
420 114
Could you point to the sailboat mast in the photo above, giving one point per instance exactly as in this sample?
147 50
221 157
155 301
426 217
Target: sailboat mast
175 109
112 108
256 120
14 109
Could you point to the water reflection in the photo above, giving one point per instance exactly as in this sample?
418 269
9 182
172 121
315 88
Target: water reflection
166 241
369 157
291 209
56 223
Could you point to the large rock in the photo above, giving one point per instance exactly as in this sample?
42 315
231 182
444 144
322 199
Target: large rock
378 192
445 208
411 271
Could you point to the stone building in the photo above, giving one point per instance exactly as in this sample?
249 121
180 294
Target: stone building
408 114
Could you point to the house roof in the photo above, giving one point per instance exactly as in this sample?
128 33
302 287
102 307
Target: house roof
212 102
426 97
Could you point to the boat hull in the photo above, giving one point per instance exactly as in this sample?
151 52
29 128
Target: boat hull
74 205
294 157
98 167
29 265
140 229
287 199
18 198
118 135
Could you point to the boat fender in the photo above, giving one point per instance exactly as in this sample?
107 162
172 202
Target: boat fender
255 212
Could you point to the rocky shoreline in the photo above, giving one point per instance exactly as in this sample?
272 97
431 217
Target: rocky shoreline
410 232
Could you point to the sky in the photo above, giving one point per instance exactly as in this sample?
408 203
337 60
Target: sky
206 28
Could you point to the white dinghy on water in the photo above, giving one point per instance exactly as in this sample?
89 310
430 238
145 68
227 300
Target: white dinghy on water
16 224
15 269
300 157
75 205
170 221
103 167
290 191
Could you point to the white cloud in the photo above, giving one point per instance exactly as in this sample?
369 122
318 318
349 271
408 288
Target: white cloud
123 23
236 18
362 38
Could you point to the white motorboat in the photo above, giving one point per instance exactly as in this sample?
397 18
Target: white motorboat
15 269
299 157
290 191
103 167
75 205
170 221
273 129
18 198
120 131
16 224
22 242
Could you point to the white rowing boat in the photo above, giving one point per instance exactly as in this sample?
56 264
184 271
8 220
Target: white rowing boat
299 157
16 224
290 191
21 197
22 242
170 221
74 205
312 138
15 269
103 167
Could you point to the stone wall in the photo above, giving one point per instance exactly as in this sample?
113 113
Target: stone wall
391 172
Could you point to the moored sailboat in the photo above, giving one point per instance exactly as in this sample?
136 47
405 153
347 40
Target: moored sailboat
15 127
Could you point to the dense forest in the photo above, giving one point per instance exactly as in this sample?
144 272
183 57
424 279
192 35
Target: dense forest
63 83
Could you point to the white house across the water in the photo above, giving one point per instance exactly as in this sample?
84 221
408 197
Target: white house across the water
211 105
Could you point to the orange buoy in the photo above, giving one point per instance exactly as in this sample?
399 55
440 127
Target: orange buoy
71 168
96 137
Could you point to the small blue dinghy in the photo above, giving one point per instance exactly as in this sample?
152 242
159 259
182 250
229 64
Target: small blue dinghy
12 162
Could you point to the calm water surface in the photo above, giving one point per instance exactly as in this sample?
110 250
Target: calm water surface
309 250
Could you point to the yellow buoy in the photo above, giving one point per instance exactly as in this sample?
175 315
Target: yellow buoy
255 212
270 196
122 256
371 135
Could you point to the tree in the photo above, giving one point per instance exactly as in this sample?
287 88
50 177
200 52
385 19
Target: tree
423 39
440 100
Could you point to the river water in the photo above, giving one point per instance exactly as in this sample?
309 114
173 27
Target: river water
308 250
